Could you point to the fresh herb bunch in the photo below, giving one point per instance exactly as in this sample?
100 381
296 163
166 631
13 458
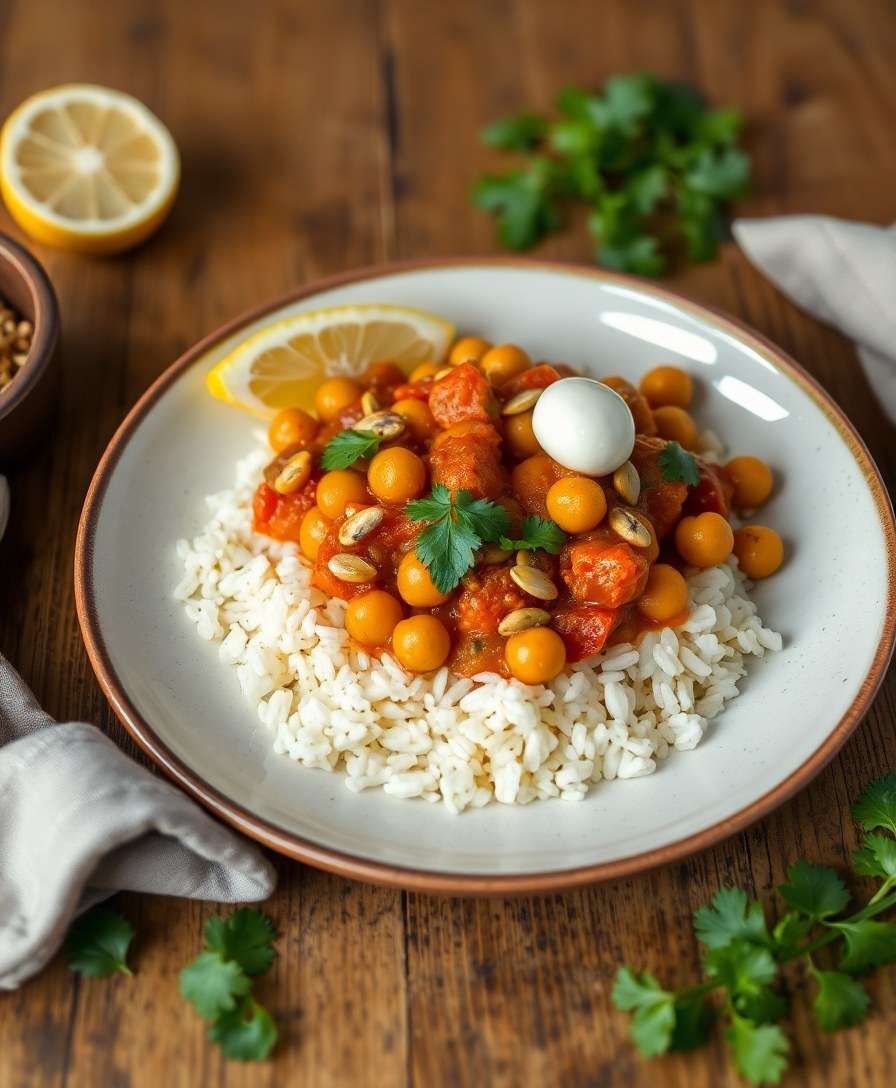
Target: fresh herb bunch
653 164
743 958
218 983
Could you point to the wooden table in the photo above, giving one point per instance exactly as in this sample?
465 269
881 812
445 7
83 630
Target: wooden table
319 136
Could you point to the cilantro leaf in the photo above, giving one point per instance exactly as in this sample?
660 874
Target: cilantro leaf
520 133
719 126
536 533
639 254
814 890
876 857
459 525
742 967
790 932
97 943
876 807
840 1001
654 1014
730 917
759 1051
722 174
765 1006
693 1018
347 447
211 984
868 944
488 520
246 1033
626 101
434 506
647 188
245 936
522 202
677 464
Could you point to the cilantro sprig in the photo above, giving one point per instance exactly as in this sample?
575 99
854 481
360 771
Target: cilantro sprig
218 984
97 943
347 447
677 464
653 164
743 958
537 533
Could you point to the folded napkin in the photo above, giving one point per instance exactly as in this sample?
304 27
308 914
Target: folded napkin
841 272
80 821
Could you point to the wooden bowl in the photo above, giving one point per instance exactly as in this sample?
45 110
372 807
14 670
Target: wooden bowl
26 402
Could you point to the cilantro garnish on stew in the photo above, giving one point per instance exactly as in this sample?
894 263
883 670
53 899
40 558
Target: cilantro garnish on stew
677 464
349 446
537 533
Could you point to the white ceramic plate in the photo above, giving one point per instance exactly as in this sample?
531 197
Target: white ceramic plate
832 600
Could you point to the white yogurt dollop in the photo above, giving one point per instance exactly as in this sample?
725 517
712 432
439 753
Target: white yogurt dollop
584 425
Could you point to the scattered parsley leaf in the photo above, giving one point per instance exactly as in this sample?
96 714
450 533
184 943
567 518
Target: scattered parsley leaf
97 943
765 1006
741 967
639 254
247 1033
347 447
654 1013
840 1001
876 857
523 203
626 102
760 1052
211 984
694 1017
789 933
876 807
815 890
520 133
677 464
647 188
536 533
868 944
723 174
246 937
730 917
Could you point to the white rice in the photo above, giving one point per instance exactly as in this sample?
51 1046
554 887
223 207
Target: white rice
466 742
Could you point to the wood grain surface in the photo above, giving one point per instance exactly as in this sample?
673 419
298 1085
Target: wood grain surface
318 135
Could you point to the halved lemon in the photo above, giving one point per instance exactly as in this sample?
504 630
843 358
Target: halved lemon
282 365
87 169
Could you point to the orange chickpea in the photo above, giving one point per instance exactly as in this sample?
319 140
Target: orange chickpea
469 349
704 540
519 436
577 504
312 531
341 486
290 427
667 385
759 550
666 594
417 416
424 370
752 479
334 395
676 425
415 584
535 656
371 618
396 475
384 373
506 361
421 643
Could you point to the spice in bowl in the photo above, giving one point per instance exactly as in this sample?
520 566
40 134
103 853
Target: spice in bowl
15 343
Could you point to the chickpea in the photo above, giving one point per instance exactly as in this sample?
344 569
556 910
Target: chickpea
469 349
759 550
577 504
371 618
424 370
704 540
418 417
666 594
383 374
752 479
334 395
667 385
291 427
415 584
396 475
676 425
339 487
312 531
504 362
519 436
535 656
421 643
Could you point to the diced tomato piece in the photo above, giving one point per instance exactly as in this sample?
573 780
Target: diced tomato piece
532 479
467 457
536 377
413 390
264 503
346 419
485 598
280 516
661 500
603 571
462 395
584 628
713 493
474 653
640 409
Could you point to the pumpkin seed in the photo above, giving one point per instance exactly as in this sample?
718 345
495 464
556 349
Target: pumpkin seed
521 402
386 424
490 554
535 582
443 373
360 524
369 403
627 483
524 558
631 526
351 568
294 474
521 619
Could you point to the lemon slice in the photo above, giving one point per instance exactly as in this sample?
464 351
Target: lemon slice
282 365
87 169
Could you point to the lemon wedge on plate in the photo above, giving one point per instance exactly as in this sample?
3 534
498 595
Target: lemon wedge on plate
87 169
282 365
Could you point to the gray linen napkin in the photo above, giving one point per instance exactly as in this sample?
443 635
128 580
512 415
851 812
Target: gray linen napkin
841 272
80 821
